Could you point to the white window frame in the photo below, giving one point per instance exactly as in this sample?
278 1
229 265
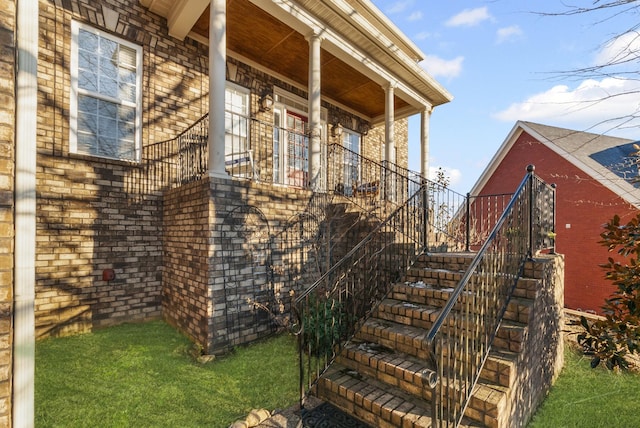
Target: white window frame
245 115
76 92
350 167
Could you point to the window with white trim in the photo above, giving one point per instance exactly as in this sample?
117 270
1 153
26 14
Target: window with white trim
236 118
351 142
106 98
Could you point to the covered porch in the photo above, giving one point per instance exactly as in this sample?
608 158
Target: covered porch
322 73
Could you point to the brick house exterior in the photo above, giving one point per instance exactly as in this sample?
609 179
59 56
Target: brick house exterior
117 241
589 171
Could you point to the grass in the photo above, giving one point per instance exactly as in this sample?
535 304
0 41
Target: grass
590 398
143 375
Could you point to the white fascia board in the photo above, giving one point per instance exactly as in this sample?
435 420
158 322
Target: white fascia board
183 16
497 159
305 23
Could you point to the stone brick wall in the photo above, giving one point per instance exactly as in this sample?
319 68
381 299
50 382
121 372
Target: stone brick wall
539 366
96 214
185 296
374 142
214 274
7 176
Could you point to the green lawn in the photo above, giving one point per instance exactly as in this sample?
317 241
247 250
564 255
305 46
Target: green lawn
583 397
142 375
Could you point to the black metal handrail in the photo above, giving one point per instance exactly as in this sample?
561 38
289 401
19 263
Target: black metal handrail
353 175
461 336
331 310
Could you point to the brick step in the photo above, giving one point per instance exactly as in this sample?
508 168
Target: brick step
510 335
444 278
375 402
518 308
452 262
411 342
371 401
411 375
397 337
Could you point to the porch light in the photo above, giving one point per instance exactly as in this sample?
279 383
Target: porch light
266 102
336 130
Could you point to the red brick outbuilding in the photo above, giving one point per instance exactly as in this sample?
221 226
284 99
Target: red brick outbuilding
594 175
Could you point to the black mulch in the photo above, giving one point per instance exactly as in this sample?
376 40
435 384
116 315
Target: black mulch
327 416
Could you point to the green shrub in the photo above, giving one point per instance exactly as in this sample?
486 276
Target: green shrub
612 339
323 326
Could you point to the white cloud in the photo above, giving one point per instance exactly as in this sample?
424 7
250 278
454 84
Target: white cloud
506 34
623 48
399 6
590 103
415 16
437 66
423 35
469 17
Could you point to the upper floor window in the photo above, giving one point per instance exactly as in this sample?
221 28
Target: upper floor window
105 99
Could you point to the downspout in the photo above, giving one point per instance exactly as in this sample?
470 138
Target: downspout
25 212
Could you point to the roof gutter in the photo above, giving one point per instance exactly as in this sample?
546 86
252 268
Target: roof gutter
25 212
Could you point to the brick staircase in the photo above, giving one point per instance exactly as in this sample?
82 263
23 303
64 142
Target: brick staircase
381 376
346 224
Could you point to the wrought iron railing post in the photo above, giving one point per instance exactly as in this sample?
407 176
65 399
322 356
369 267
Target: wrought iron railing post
468 228
531 170
425 214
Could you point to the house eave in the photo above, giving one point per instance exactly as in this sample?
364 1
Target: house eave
355 31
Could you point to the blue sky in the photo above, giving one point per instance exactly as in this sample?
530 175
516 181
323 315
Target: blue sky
500 60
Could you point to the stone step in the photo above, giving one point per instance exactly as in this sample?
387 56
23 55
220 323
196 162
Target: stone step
371 401
451 261
411 375
397 337
444 278
410 341
510 335
382 405
518 309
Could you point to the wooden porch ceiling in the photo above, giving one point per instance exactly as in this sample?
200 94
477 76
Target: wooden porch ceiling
260 37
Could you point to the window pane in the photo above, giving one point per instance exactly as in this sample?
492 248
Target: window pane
127 92
107 109
107 127
127 57
106 69
88 41
88 80
87 60
127 76
127 114
86 143
108 86
87 104
88 123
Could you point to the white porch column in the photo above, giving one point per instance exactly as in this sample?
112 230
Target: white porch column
390 144
26 86
425 118
389 123
217 79
315 123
